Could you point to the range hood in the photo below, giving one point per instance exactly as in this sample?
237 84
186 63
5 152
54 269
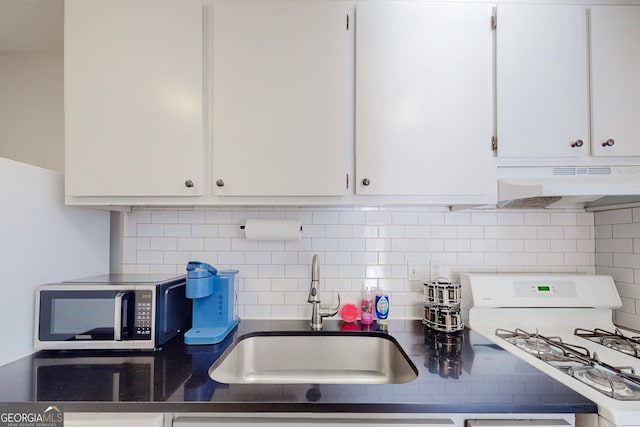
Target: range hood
568 186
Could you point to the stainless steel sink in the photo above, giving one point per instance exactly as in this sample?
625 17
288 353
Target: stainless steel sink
314 358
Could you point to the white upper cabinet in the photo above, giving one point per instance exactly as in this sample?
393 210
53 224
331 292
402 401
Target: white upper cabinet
542 98
423 99
567 81
615 69
133 98
282 97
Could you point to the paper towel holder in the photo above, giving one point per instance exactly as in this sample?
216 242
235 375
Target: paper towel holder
272 229
242 227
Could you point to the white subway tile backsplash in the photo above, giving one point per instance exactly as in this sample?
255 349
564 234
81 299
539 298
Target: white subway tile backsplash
511 218
614 245
578 232
351 245
550 232
321 217
218 217
457 245
470 258
390 231
191 244
378 218
626 230
497 232
497 258
352 217
370 245
164 217
232 258
369 258
431 218
470 232
458 218
617 253
404 245
177 257
483 245
521 258
585 245
404 218
217 244
163 244
626 260
585 218
551 259
150 257
192 217
257 257
444 232
563 245
230 231
204 230
150 230
619 216
537 218
537 245
578 258
337 258
339 231
484 218
568 218
510 245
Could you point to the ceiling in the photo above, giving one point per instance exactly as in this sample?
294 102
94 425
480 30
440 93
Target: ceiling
31 25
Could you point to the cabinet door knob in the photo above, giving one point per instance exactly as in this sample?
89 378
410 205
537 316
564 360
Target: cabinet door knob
366 182
577 143
219 182
188 183
608 143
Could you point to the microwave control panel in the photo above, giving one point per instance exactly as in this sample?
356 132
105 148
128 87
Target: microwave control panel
143 315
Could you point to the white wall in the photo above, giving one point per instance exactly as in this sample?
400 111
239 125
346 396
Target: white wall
356 244
617 237
32 108
41 241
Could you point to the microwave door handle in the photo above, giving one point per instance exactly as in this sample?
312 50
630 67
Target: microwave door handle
117 322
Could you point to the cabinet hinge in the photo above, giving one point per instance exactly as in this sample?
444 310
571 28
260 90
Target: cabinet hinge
347 181
494 22
494 143
347 22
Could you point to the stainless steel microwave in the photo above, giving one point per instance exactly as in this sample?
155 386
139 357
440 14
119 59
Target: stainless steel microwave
113 311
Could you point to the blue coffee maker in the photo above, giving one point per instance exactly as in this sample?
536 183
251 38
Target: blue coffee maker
214 297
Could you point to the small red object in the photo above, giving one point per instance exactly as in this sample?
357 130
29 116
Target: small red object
349 312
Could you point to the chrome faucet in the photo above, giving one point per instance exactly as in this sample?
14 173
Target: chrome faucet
318 312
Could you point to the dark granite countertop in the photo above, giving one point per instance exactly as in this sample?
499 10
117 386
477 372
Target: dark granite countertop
457 374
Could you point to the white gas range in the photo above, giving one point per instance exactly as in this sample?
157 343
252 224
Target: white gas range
560 324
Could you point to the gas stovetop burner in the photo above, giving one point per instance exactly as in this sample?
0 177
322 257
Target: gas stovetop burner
578 362
536 346
614 340
609 383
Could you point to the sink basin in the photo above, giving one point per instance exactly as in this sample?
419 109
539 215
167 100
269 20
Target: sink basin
314 358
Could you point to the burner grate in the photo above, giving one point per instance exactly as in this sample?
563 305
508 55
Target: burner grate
578 362
614 340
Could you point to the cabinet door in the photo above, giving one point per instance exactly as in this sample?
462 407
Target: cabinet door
423 98
615 67
542 86
282 70
133 97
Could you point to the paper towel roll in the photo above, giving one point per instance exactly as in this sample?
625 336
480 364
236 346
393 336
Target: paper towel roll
272 229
